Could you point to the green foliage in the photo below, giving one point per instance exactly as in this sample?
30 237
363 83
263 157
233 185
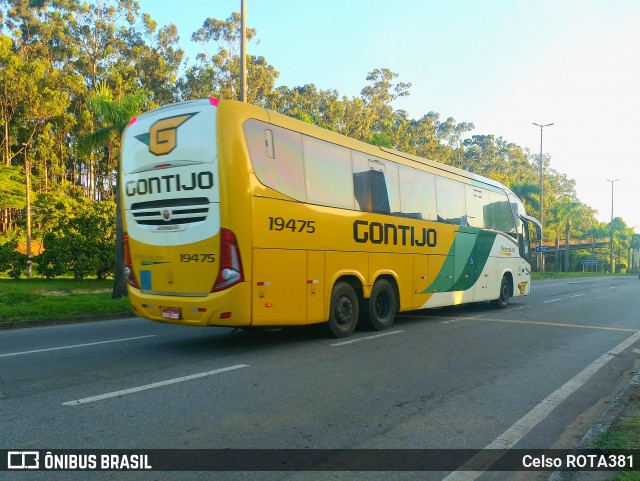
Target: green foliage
28 300
528 193
82 242
12 263
380 139
12 191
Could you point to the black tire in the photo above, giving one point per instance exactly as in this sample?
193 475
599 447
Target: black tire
344 309
505 292
382 306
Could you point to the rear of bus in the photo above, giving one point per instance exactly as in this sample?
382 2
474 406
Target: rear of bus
182 257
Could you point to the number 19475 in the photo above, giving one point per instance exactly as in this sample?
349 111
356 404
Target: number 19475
197 258
294 225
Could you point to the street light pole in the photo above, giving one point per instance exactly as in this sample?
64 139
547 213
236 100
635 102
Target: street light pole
27 168
243 52
611 226
541 255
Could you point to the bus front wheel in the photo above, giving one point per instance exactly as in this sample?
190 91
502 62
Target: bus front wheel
344 310
505 292
382 305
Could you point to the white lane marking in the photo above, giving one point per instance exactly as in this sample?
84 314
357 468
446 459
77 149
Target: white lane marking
368 338
551 300
578 295
168 382
526 423
76 345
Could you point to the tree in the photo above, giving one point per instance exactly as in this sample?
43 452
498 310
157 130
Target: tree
150 60
12 192
216 72
378 97
113 117
563 213
528 193
81 242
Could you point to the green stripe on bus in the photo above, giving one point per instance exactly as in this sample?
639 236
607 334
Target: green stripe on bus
468 255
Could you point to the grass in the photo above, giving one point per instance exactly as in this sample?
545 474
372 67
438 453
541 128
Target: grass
624 433
57 300
567 275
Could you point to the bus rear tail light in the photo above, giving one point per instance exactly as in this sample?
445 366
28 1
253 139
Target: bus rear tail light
230 272
128 265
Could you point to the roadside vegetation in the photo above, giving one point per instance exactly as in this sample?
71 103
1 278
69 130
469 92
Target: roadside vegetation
37 301
537 276
624 433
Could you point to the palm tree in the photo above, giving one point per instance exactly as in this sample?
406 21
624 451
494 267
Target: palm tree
528 193
562 214
112 116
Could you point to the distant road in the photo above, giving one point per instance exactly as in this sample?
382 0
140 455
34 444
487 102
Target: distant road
534 375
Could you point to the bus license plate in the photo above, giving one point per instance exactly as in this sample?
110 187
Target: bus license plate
170 313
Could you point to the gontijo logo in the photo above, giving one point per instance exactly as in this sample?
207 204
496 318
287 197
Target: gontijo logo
162 137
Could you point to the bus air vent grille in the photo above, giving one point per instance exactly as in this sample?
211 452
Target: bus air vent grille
171 211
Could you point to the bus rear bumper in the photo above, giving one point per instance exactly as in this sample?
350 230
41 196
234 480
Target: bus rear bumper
227 308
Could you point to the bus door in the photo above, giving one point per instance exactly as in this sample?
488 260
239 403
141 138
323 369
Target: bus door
523 235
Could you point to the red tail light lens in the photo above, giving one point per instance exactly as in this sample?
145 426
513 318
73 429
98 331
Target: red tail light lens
128 264
230 272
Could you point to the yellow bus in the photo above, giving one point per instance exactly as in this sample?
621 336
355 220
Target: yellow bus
239 216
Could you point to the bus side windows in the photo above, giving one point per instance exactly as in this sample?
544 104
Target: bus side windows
417 194
476 199
450 201
276 155
498 214
328 177
375 184
370 189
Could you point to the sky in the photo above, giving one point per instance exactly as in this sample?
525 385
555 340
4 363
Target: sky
499 64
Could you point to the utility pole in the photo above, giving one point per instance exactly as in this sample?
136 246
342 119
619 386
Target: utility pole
27 168
541 255
611 227
243 52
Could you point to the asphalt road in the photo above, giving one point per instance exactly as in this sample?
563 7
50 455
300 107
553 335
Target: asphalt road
534 375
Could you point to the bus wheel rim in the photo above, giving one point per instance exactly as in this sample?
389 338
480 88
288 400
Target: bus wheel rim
382 305
344 310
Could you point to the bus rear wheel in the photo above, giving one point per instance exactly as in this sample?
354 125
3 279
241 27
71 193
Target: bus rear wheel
344 310
505 292
382 305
